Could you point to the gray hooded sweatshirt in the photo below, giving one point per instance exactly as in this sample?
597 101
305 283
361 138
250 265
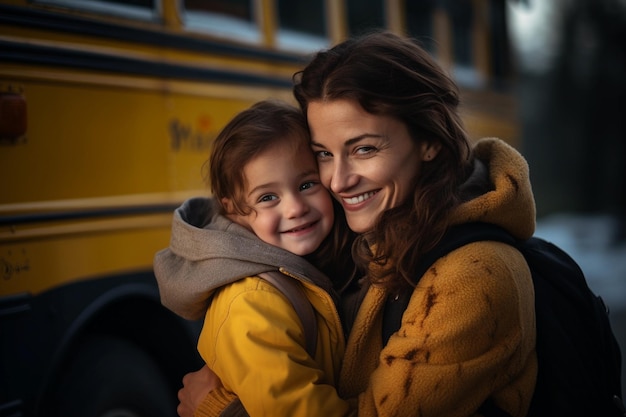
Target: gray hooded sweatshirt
208 251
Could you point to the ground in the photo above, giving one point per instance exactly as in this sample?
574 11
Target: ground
589 240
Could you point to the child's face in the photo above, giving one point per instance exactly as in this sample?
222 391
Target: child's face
291 209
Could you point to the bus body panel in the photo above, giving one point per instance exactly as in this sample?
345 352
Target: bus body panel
121 104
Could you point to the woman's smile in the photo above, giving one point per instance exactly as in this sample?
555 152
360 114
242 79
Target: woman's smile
349 201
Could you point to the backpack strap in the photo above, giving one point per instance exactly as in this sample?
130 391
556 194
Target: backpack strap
454 238
292 289
461 235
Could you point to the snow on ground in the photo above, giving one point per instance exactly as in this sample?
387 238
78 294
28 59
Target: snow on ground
588 239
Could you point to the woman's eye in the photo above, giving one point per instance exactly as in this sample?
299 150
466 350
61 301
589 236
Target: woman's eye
267 197
323 154
365 150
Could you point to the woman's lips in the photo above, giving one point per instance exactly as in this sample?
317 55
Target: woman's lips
359 198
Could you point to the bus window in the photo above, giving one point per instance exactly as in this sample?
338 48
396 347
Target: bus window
301 25
419 22
136 9
233 19
461 15
364 15
500 64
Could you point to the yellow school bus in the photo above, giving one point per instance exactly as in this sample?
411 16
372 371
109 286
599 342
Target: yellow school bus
108 109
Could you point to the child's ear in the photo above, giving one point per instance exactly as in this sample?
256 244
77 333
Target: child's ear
227 205
233 215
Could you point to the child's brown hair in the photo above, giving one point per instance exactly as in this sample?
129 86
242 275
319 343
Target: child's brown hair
248 134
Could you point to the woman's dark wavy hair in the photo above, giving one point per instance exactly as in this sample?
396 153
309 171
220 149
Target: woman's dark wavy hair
390 75
248 134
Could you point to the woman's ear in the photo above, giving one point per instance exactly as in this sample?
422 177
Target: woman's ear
429 150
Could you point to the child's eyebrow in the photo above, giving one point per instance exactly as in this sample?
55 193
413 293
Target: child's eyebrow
309 172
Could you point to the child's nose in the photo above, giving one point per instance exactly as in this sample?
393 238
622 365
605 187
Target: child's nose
296 207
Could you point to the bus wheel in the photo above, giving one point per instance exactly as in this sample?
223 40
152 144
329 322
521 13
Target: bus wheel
112 377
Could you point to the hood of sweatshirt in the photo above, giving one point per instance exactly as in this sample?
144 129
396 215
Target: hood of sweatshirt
499 190
208 251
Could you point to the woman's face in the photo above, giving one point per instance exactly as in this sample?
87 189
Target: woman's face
367 161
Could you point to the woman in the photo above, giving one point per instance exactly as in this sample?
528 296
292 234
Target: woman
391 149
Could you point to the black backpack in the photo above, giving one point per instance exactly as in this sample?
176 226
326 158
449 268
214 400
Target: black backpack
579 359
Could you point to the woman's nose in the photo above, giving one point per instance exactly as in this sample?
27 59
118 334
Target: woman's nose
341 177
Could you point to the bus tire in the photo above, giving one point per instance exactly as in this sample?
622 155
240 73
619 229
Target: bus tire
112 377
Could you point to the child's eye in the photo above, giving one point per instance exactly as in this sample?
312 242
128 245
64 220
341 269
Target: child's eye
307 185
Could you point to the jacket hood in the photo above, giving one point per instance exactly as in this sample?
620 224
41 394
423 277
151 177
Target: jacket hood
508 201
208 251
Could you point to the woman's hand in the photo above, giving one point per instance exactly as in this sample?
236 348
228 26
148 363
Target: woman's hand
196 386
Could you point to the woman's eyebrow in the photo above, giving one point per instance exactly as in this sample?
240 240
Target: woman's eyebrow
353 140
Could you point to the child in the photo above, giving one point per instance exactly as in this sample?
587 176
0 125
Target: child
269 209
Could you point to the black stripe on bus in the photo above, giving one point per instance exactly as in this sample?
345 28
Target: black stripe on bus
92 214
57 22
44 55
